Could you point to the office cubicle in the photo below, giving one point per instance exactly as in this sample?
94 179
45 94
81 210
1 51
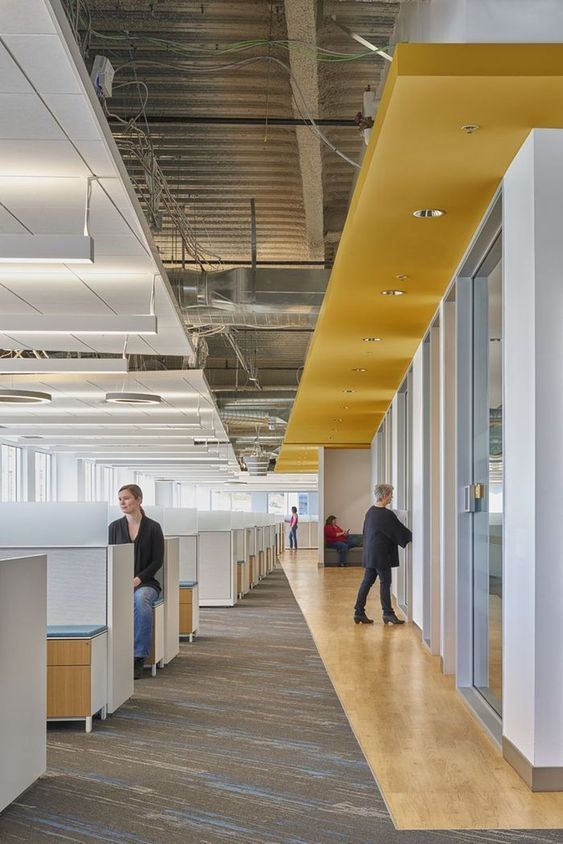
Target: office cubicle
23 674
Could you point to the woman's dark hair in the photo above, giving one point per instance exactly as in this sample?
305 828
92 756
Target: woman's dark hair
294 509
135 491
330 520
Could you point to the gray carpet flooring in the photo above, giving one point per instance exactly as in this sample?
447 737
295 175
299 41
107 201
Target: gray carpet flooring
240 739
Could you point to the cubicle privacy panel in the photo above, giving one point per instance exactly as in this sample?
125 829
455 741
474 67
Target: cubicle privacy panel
217 569
76 583
23 673
170 582
54 524
188 547
179 521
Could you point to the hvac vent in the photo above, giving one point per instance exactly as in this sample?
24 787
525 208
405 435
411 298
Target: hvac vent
257 464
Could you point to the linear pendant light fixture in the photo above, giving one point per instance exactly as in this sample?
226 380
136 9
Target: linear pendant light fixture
53 366
78 324
46 249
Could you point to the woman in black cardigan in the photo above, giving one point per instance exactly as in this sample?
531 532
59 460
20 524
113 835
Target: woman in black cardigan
147 536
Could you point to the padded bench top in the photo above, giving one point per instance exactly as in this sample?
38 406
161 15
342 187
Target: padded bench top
74 631
188 584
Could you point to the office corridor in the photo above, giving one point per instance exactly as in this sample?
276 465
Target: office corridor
241 739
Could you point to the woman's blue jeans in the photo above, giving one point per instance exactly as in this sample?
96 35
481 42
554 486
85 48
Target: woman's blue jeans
144 597
293 537
353 540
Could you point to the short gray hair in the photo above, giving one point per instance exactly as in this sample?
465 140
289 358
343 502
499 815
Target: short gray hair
381 491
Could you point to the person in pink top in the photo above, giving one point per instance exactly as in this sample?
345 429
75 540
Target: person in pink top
293 525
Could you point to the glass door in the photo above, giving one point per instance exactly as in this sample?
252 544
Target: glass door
487 469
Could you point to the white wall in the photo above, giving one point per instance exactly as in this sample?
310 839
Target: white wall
481 21
533 422
418 490
346 482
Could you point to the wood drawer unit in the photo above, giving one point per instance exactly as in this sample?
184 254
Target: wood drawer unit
68 678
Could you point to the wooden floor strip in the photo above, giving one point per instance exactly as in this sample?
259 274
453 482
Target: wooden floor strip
434 764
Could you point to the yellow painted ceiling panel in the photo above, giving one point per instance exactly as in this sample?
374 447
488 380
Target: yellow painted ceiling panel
419 157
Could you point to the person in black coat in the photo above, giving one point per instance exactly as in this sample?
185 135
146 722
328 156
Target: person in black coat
383 533
148 538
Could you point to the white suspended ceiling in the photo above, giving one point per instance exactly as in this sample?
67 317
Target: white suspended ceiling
55 145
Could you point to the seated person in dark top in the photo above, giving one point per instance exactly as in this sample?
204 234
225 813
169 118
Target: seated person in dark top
383 533
340 539
148 538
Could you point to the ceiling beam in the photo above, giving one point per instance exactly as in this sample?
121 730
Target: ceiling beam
301 26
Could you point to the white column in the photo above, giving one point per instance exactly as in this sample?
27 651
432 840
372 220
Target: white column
533 426
418 491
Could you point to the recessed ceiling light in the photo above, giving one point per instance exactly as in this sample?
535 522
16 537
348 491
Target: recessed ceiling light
133 398
24 397
359 369
401 277
349 391
371 339
470 128
392 292
424 213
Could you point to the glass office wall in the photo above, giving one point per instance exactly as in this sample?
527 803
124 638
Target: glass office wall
11 457
487 490
42 476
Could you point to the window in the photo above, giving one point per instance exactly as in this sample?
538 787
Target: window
11 473
220 500
42 476
303 504
187 496
242 502
89 475
277 503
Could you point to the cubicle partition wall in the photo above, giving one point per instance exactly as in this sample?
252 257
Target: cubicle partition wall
23 677
251 558
170 581
88 602
307 533
217 561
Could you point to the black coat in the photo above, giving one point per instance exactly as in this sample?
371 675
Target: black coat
383 533
149 547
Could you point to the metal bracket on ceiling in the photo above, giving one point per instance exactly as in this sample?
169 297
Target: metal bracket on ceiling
361 40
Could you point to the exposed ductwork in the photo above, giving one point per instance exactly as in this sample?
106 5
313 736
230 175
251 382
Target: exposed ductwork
259 297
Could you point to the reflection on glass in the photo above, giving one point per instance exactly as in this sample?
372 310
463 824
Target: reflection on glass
488 475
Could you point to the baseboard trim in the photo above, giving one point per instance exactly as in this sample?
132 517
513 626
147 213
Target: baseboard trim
537 779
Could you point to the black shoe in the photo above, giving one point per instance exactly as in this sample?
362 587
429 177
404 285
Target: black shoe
138 664
341 565
392 619
362 619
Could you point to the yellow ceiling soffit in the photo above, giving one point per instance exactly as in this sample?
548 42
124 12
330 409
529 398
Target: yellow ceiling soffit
419 157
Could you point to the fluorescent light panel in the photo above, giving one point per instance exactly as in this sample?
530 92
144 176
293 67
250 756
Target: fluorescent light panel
78 324
46 249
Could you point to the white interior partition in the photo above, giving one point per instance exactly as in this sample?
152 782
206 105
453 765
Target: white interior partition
55 524
217 563
23 674
171 594
178 521
120 624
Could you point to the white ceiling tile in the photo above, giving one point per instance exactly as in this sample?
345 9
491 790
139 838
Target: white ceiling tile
58 296
125 294
12 304
40 158
12 80
75 115
25 16
9 224
49 342
24 117
96 154
46 63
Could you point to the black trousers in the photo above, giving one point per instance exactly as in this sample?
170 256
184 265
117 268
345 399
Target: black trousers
370 576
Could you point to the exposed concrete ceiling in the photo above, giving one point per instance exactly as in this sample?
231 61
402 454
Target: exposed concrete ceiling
225 128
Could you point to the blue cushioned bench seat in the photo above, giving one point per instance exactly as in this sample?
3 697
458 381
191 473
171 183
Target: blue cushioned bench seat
75 631
188 584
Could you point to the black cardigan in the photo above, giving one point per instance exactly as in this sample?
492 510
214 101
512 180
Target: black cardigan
149 547
383 532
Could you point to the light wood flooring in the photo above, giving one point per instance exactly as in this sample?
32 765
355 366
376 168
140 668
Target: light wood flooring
434 764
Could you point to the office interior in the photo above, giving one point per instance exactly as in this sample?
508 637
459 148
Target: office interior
221 286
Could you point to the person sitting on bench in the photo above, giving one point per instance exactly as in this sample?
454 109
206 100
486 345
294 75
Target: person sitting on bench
340 539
